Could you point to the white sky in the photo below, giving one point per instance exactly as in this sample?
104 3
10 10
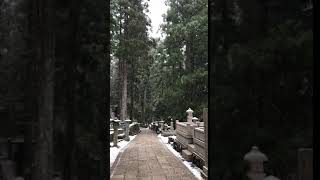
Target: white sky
156 9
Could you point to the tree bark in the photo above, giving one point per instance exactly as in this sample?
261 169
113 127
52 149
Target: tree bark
69 169
132 90
44 163
123 99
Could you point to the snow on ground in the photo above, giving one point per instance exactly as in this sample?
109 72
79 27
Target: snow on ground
195 170
114 151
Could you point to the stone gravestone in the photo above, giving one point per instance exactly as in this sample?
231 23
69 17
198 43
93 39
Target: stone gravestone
171 124
127 125
305 164
115 132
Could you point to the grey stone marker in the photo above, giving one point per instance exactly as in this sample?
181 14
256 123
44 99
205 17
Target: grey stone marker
305 164
255 158
115 132
127 124
171 125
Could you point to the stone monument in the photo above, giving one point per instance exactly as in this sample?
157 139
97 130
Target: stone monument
115 132
127 130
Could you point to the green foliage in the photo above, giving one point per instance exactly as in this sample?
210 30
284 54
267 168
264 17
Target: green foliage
180 75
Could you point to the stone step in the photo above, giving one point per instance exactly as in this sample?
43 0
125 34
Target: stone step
187 155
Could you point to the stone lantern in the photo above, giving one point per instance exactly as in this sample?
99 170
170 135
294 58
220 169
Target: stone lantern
115 131
255 158
127 124
195 120
190 116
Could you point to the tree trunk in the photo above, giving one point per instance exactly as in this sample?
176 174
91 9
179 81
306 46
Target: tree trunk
44 163
132 91
144 104
123 99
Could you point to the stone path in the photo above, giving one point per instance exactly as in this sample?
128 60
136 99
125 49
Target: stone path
146 158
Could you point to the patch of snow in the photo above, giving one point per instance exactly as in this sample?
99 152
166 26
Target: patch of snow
114 151
132 124
195 170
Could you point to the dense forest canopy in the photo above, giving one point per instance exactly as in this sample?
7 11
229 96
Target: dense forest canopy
167 76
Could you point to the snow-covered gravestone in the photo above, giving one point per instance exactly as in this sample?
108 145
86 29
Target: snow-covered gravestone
127 124
115 132
190 115
255 158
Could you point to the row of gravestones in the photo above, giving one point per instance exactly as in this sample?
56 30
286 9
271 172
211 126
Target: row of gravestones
161 127
257 159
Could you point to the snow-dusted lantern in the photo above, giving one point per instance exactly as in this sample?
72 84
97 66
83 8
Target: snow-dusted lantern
195 120
190 116
255 158
127 124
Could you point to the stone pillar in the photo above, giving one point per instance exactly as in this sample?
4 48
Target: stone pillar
190 116
127 130
205 120
305 164
115 132
171 125
255 158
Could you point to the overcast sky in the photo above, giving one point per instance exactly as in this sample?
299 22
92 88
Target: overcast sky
156 9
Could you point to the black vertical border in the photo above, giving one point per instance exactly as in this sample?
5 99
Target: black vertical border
315 87
105 129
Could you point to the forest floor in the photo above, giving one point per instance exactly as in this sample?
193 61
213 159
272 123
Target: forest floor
146 158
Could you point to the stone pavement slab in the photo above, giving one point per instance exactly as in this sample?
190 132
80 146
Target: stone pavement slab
146 158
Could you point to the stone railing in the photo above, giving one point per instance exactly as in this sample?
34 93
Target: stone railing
184 133
199 143
191 140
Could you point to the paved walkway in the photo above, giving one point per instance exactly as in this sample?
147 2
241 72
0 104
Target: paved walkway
146 158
